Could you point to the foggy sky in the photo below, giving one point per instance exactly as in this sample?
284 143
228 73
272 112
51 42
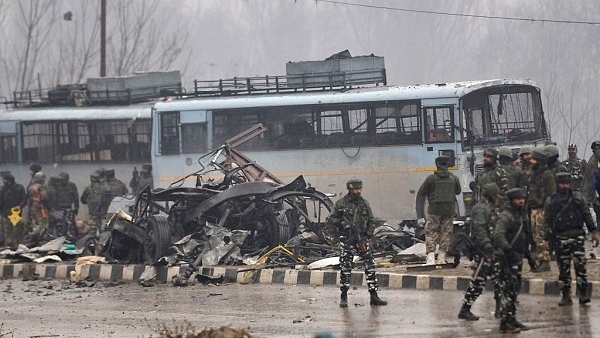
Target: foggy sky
257 37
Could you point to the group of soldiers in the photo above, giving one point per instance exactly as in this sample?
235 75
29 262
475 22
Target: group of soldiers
530 208
51 208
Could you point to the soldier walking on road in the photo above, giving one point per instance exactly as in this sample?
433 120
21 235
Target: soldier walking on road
483 221
576 167
542 184
565 214
353 219
511 243
440 189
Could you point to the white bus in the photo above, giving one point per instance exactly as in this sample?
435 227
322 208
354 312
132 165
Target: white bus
387 136
77 140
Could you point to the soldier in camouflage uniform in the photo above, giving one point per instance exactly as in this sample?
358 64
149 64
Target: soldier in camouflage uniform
489 174
353 220
565 213
524 163
511 243
510 176
440 189
542 184
117 187
576 167
554 164
38 202
589 184
91 196
483 221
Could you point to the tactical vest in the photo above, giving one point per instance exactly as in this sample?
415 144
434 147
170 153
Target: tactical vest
94 198
568 216
64 199
444 190
518 239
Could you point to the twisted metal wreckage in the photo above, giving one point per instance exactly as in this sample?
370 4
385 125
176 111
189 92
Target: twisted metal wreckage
237 213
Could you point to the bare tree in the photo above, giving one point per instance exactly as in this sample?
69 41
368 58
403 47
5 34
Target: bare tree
78 45
139 41
36 21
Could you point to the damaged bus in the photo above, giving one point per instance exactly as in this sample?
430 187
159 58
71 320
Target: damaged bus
388 136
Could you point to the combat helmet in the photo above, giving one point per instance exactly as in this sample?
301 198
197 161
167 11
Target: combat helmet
490 190
524 150
505 151
39 177
354 184
490 152
538 154
551 150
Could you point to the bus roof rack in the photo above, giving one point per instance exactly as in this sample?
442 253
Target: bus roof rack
330 74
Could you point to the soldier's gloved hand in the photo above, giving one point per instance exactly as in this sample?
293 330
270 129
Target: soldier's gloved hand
488 250
421 222
76 211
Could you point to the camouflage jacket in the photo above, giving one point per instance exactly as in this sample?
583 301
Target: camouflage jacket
483 221
576 167
355 211
541 185
510 233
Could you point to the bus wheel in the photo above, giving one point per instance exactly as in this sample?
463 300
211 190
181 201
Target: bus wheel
158 238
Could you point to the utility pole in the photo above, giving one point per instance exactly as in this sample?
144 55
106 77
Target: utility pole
102 38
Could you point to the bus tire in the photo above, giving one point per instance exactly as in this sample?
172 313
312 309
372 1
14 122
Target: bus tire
158 238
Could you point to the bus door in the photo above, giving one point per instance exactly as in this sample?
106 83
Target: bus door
439 133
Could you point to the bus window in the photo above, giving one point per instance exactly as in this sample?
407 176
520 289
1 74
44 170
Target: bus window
439 122
8 150
398 124
193 138
169 133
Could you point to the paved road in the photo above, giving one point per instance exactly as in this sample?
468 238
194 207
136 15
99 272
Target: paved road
58 309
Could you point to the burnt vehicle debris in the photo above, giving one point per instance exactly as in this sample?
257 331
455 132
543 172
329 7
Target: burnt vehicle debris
260 211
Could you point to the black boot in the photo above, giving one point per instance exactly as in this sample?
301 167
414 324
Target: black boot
375 300
566 298
506 326
518 324
344 299
584 294
466 314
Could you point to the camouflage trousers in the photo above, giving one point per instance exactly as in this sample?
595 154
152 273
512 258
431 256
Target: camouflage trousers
347 251
438 230
483 270
38 219
509 285
537 229
571 248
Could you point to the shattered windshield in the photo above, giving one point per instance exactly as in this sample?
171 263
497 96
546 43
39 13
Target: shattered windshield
510 116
